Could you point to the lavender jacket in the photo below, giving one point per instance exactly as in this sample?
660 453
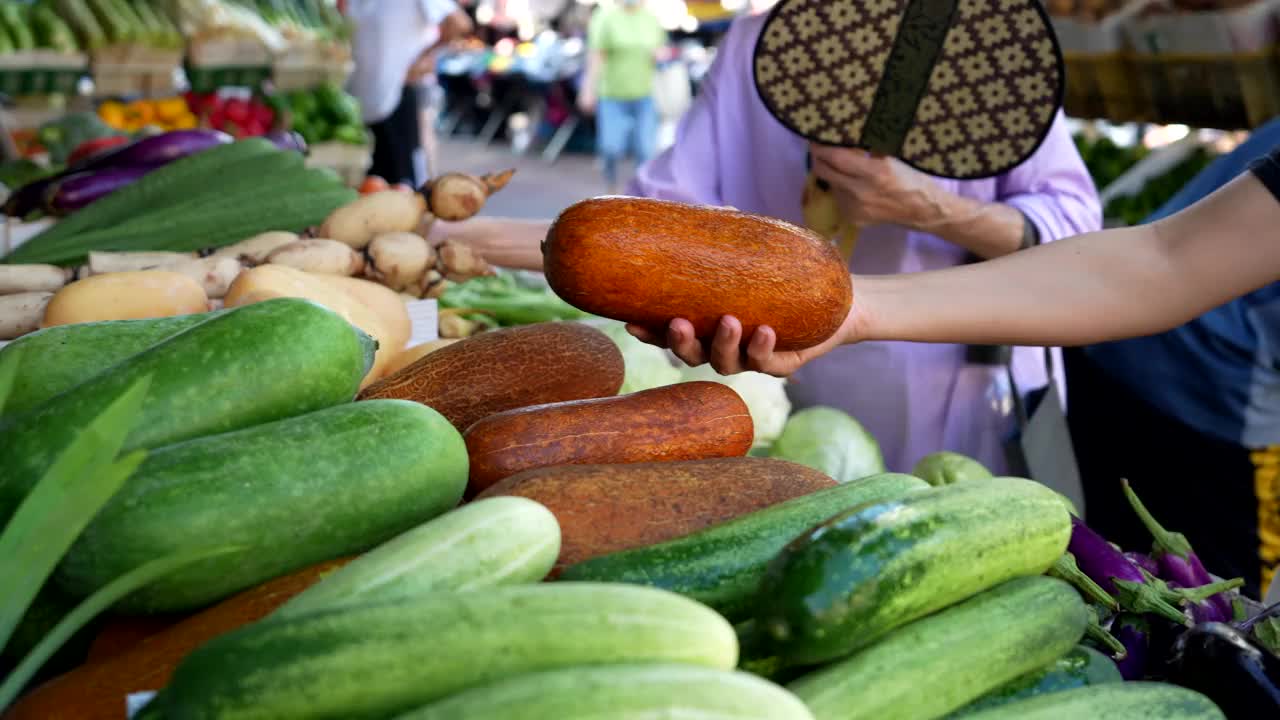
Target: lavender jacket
915 398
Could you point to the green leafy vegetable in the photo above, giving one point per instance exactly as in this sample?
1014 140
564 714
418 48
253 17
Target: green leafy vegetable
508 301
81 480
137 578
831 441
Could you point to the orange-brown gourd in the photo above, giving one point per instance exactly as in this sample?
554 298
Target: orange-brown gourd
607 508
685 421
97 690
122 632
506 369
649 261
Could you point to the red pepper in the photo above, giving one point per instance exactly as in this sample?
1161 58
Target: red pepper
89 148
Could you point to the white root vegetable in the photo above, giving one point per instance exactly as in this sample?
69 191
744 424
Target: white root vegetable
254 250
214 274
457 196
358 222
433 284
126 296
320 256
399 260
459 263
22 313
109 262
32 278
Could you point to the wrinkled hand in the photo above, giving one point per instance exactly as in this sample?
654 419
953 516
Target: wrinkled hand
873 189
726 354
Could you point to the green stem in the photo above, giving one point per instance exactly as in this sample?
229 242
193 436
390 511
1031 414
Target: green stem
1142 598
1065 568
1165 541
1094 631
1204 592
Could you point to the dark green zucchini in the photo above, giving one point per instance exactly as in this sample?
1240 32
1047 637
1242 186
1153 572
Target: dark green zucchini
859 575
721 566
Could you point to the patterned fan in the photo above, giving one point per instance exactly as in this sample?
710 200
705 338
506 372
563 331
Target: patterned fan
961 89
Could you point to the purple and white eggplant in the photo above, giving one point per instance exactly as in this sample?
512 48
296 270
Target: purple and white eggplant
288 140
75 192
1144 561
1135 590
1177 561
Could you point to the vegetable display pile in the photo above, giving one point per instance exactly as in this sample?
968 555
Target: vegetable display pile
275 509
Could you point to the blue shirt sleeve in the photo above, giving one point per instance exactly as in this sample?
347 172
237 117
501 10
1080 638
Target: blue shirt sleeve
1267 169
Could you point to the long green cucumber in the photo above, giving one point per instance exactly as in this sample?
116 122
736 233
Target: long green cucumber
293 492
70 354
1114 701
254 364
1078 668
621 691
376 660
961 653
876 567
722 565
492 541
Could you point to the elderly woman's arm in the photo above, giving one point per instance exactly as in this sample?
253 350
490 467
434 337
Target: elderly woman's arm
1049 196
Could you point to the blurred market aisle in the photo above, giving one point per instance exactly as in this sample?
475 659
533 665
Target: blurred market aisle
538 190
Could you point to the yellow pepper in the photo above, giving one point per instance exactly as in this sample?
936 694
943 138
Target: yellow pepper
112 113
140 113
185 121
170 109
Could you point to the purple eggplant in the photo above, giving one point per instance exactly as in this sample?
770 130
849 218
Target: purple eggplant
288 140
1202 611
1134 633
150 152
156 150
80 190
1144 561
1176 560
1117 574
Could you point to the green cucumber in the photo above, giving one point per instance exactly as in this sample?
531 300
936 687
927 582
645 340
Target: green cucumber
1114 701
1078 668
376 660
621 691
492 541
254 364
876 567
960 653
70 354
722 565
294 492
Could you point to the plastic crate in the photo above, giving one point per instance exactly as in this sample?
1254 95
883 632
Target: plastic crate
135 70
1104 85
1229 91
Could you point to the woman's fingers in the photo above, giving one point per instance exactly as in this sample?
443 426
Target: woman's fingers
645 336
726 350
760 349
684 342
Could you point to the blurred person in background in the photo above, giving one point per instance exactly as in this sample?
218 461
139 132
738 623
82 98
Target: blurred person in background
913 398
624 40
395 44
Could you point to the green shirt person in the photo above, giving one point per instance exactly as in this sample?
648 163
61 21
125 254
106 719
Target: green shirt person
623 41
